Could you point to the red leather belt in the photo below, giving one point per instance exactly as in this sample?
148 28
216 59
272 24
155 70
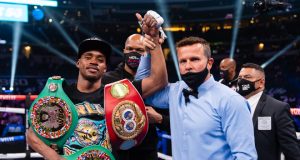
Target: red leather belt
125 113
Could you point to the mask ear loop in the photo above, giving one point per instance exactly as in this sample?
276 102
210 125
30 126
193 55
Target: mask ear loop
257 81
234 80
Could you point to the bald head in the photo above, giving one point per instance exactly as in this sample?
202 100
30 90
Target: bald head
228 65
134 43
134 37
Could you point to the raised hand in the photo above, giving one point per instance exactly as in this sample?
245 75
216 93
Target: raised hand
149 25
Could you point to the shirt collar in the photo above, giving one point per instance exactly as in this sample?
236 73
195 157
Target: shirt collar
254 99
208 83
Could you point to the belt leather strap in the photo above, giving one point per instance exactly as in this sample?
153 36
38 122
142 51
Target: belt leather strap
125 114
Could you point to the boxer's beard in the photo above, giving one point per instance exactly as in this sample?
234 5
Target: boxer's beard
91 77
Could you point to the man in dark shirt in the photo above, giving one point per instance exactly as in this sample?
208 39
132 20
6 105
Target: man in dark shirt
133 50
228 73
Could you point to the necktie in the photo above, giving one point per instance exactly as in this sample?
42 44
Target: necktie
187 93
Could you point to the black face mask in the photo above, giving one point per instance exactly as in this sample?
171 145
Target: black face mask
132 59
224 74
245 87
195 79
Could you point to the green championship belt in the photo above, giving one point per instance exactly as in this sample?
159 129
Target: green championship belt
53 116
91 153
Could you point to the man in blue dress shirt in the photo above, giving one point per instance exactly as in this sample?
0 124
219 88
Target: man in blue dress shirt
209 121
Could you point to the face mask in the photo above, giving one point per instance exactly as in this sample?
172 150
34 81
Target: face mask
132 59
224 74
245 87
195 79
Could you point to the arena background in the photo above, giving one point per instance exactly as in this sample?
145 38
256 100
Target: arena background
32 51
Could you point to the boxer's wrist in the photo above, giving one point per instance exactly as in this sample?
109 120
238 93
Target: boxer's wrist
156 40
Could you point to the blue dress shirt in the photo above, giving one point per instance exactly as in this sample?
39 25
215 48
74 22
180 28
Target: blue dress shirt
216 126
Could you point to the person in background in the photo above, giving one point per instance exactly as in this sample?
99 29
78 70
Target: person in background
228 73
274 130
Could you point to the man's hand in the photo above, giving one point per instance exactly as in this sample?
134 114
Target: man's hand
149 25
39 146
153 116
158 77
148 42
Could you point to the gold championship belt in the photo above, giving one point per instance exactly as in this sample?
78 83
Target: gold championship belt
53 116
125 114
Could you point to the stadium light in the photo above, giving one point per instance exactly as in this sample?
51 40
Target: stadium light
281 52
61 30
174 29
236 21
13 12
89 33
16 46
50 49
49 3
162 7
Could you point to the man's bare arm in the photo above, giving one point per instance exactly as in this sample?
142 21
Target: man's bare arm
158 76
39 146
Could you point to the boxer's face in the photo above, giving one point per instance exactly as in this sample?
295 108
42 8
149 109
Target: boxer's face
92 65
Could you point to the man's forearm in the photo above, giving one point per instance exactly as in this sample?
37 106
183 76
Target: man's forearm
39 146
158 66
158 77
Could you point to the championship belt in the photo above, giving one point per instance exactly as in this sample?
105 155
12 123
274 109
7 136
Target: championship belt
53 116
125 114
91 153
